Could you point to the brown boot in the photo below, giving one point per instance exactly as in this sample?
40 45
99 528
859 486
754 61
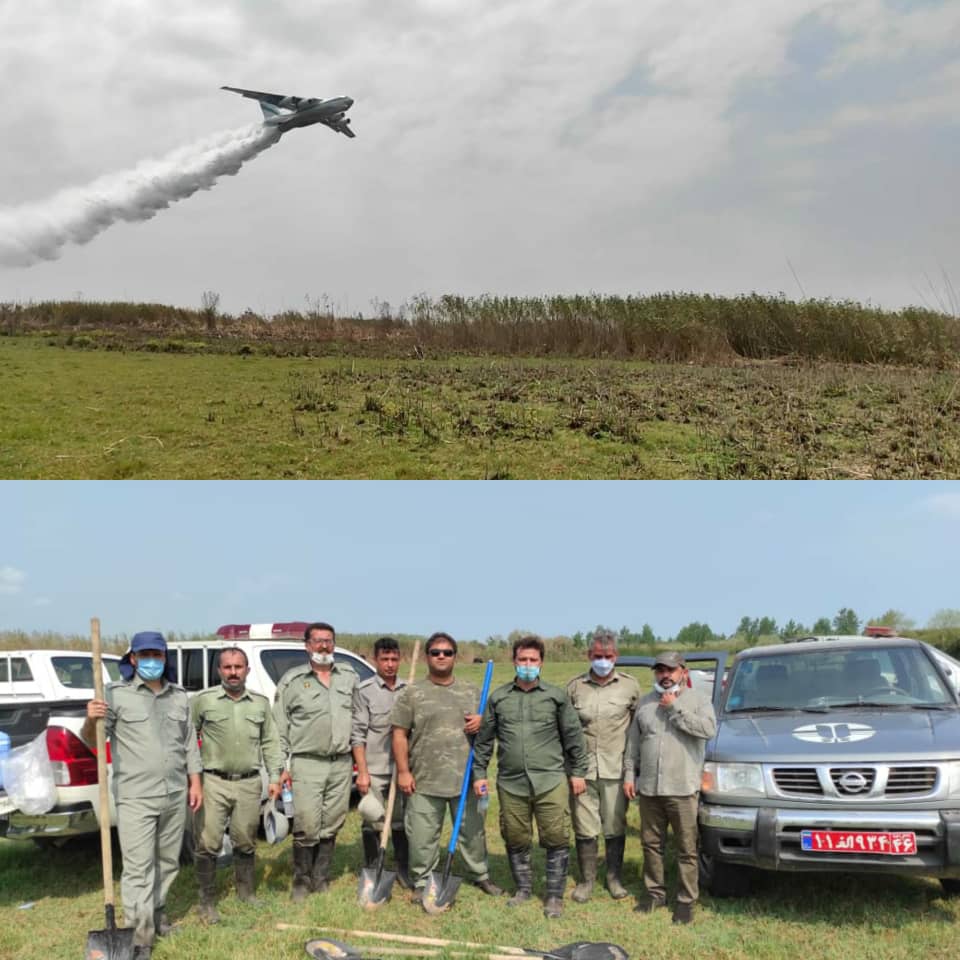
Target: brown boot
323 860
614 852
302 869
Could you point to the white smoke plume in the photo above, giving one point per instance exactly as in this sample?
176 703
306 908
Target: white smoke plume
39 231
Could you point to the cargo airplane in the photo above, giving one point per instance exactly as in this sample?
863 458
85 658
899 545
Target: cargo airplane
286 112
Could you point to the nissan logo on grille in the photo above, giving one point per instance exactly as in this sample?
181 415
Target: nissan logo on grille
852 782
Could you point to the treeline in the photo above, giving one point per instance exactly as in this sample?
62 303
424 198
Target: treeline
661 327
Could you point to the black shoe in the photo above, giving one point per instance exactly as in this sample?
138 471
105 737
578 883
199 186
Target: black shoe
488 887
371 848
142 953
649 905
683 913
417 896
161 923
401 856
553 908
522 876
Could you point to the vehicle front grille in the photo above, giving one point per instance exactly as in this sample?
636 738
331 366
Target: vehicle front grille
798 780
905 780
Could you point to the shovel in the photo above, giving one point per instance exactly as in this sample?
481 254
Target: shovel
328 949
376 884
439 892
111 943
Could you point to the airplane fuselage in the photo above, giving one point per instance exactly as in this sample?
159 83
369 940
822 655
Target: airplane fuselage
322 112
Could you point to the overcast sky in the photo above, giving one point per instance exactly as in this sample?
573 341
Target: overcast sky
556 146
476 559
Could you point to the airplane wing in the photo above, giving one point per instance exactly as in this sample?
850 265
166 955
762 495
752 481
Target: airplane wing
275 98
341 126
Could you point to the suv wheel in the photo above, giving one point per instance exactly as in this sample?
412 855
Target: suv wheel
951 886
724 879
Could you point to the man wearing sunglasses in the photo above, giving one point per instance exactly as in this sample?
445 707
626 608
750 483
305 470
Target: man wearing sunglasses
432 722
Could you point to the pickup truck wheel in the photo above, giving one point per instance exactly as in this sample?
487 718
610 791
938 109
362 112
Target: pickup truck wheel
951 886
724 879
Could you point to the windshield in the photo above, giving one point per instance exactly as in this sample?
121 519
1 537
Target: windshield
830 676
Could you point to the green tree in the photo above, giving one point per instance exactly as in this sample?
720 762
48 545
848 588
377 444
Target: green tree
792 629
747 628
896 619
578 640
945 619
846 622
647 637
767 627
822 626
695 635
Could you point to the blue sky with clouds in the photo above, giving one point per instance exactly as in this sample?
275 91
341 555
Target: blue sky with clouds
804 146
477 559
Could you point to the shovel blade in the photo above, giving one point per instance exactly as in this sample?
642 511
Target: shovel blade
375 887
115 943
439 894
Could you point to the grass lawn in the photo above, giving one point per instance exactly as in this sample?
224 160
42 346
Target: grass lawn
70 413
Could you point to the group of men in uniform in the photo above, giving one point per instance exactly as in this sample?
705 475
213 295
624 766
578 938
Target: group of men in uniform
577 754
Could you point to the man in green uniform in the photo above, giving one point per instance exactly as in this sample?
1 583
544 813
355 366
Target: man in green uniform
156 776
541 748
373 752
432 720
662 767
313 710
238 734
605 701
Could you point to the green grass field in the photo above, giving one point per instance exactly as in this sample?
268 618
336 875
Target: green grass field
49 899
68 413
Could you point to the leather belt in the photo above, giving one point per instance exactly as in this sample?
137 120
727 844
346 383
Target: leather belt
223 775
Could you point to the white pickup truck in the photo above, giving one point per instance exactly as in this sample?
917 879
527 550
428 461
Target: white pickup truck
272 649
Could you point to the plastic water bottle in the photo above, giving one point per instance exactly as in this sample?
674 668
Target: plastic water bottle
4 750
286 795
483 802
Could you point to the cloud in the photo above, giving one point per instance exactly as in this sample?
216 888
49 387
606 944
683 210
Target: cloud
944 504
11 580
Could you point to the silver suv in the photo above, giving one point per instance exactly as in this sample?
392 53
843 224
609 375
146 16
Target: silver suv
833 755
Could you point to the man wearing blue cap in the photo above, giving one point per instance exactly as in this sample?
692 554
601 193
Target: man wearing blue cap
156 776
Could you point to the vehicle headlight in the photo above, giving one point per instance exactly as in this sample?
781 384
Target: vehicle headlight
733 779
953 772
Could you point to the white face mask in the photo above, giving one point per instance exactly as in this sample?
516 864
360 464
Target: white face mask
673 688
601 666
321 659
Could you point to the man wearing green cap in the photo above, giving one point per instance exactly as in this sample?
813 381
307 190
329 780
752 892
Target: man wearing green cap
156 776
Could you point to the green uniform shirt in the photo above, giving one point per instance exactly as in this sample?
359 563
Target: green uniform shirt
605 711
433 715
371 723
314 720
235 734
152 741
540 739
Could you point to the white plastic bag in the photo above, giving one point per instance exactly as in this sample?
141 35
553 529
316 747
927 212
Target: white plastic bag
28 777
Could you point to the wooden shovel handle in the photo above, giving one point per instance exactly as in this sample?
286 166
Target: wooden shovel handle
106 850
392 793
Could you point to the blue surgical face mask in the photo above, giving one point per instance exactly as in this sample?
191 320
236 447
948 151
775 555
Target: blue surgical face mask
150 668
527 673
601 666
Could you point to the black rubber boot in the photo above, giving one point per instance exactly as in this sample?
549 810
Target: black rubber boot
587 858
558 862
614 851
323 860
245 876
302 869
522 876
161 923
401 857
206 866
371 848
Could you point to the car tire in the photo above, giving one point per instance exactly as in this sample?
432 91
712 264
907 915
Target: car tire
724 880
951 886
